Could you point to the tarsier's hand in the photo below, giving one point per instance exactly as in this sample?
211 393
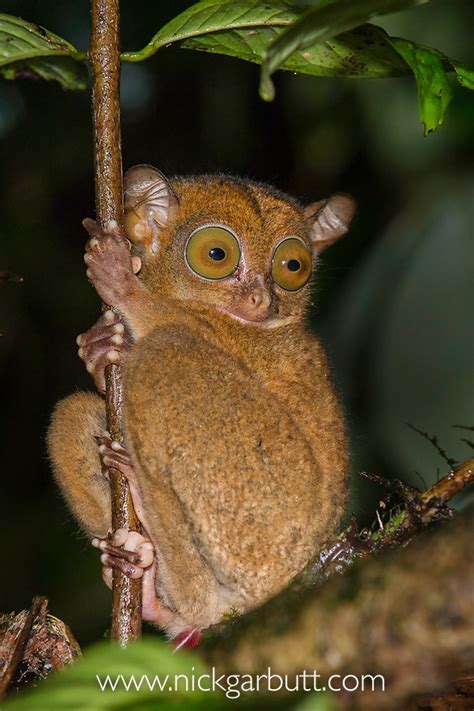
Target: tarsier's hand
110 267
106 342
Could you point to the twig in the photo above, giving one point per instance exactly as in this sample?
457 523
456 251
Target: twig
434 441
447 487
469 442
418 511
10 664
104 57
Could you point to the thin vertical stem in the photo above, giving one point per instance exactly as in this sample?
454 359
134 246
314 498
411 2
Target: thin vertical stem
104 58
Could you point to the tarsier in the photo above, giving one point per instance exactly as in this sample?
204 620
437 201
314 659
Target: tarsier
235 446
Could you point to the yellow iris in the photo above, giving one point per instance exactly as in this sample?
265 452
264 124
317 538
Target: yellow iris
213 252
292 264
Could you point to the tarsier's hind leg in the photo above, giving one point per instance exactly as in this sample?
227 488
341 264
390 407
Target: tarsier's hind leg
129 551
76 443
76 426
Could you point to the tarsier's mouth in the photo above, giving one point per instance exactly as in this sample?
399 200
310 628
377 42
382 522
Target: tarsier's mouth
268 320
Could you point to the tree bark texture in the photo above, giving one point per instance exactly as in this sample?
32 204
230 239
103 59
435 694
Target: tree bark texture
33 643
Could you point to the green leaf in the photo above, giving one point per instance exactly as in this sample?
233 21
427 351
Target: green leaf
430 68
434 90
30 50
465 76
246 28
77 687
209 16
361 54
287 35
328 19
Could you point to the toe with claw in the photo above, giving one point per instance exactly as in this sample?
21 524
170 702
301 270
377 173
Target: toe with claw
114 456
106 342
127 551
133 554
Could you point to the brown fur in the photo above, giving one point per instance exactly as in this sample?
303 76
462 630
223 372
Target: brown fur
234 429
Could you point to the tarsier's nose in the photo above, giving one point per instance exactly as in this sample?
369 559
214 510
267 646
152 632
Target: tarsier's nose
259 299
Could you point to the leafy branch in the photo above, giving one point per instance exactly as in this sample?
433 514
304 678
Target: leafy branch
332 39
319 24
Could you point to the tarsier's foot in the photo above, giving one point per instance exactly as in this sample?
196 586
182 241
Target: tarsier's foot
110 266
127 551
115 456
104 343
133 555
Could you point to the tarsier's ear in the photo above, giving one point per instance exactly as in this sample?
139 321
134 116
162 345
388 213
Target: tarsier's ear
150 205
330 219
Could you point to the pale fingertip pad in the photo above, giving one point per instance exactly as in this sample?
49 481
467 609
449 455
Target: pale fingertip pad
136 264
146 556
119 328
117 340
113 356
116 446
79 339
109 316
112 226
119 537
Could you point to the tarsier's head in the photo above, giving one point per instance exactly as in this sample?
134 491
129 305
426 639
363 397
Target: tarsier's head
240 247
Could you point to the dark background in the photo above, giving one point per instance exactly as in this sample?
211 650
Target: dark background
393 300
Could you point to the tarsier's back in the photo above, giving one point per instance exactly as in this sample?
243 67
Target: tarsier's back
235 436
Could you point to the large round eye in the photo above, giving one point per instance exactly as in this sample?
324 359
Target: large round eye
213 252
292 264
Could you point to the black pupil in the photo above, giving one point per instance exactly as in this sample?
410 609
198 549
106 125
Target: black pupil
293 265
217 254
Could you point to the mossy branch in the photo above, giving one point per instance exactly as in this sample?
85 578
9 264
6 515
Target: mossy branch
418 510
406 615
